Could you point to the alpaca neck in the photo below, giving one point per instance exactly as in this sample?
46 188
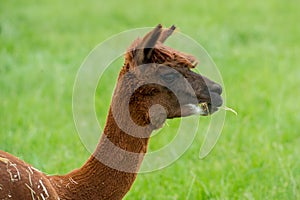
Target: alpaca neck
122 148
111 169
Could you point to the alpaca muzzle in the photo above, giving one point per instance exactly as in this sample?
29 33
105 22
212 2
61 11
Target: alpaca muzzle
209 98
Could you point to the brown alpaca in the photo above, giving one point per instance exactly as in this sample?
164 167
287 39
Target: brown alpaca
155 83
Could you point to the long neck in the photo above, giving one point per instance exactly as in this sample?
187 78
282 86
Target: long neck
111 170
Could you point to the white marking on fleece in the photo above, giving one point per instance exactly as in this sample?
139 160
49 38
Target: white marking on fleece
30 181
13 172
44 189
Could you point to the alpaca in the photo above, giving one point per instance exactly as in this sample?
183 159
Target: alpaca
151 88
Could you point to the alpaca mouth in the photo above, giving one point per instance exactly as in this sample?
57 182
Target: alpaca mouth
211 106
206 109
203 109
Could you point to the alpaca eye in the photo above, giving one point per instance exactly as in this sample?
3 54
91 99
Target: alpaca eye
169 78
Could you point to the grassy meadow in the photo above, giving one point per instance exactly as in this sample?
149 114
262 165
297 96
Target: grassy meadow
255 44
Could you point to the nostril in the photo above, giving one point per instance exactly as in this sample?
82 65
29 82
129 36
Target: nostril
216 100
216 88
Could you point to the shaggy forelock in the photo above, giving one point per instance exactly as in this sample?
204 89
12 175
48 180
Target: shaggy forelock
163 54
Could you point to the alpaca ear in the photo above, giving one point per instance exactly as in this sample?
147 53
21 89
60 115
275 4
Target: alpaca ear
166 33
144 49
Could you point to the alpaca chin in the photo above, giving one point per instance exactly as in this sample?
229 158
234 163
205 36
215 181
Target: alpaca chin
158 116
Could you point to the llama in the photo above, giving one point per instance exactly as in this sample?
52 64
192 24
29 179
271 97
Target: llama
150 87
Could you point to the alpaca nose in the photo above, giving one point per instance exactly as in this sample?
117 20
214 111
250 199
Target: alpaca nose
216 88
215 99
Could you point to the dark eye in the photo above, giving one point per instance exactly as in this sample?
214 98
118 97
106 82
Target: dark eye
169 78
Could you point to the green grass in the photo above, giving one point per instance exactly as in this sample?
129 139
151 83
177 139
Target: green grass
255 44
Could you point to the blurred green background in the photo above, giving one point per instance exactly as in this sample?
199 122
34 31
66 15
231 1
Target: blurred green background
255 44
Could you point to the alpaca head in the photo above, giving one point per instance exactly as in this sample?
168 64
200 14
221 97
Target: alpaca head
160 83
